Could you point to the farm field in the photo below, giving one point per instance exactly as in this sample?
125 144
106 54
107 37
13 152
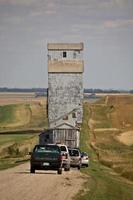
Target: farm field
17 98
22 111
111 127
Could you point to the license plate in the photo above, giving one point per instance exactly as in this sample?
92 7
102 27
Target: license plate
45 164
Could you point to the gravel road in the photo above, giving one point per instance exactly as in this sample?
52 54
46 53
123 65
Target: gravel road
18 184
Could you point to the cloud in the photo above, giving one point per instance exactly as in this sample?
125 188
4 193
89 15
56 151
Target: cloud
100 25
16 20
113 3
17 2
72 37
44 8
94 4
92 27
51 8
118 23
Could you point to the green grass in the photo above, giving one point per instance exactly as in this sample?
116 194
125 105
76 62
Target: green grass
7 113
101 113
14 138
114 146
20 139
22 116
6 163
14 149
102 183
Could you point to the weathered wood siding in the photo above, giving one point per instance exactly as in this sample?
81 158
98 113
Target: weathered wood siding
70 137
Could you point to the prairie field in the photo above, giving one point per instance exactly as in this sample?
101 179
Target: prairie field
106 135
111 126
17 98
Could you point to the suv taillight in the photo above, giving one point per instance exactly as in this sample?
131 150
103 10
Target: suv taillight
60 158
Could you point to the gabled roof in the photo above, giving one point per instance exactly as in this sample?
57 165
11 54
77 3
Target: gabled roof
67 124
61 117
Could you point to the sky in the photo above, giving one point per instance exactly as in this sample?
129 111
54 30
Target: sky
105 27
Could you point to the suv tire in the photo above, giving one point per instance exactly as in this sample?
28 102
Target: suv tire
59 171
32 170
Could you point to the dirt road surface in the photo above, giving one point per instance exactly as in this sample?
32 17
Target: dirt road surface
18 184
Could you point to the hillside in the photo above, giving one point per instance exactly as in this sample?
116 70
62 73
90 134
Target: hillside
22 116
111 130
110 173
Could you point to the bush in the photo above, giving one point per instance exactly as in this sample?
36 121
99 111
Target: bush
13 150
128 174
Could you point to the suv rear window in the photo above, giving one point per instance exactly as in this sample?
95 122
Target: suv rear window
42 149
73 152
84 154
63 148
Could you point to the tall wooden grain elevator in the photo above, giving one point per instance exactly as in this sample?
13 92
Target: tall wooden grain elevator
65 94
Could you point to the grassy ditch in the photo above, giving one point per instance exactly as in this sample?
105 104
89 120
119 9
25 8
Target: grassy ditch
102 183
116 111
14 149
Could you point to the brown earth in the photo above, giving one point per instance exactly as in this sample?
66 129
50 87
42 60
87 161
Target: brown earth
18 98
126 138
18 184
122 112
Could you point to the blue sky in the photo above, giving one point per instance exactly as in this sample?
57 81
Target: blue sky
105 27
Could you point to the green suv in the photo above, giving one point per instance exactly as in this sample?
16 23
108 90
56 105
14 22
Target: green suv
46 157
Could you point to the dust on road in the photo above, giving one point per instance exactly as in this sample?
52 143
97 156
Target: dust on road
18 184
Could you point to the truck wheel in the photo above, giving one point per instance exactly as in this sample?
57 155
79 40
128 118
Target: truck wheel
32 170
59 171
